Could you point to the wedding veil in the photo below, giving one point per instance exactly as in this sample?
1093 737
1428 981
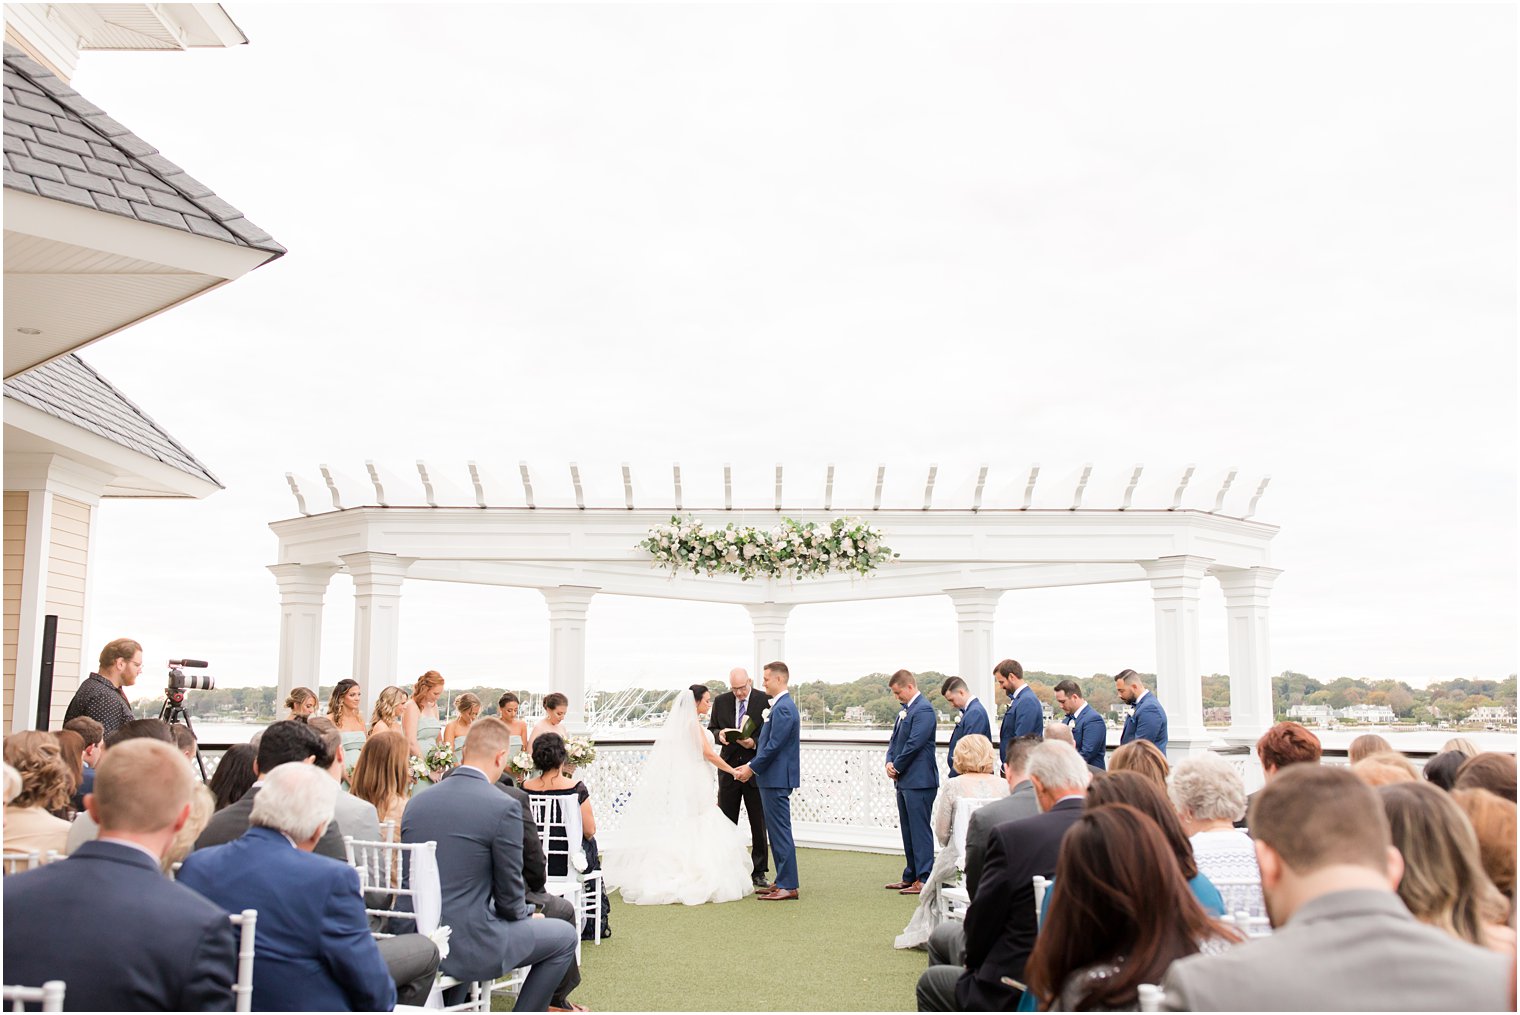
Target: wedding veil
675 781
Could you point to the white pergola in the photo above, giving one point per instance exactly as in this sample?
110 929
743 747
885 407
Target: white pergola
992 532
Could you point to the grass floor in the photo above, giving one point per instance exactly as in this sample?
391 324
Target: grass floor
829 951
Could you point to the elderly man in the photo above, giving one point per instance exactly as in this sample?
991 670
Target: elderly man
106 921
1020 803
313 949
1343 939
969 964
741 703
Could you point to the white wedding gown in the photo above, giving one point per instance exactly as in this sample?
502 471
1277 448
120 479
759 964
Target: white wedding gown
673 844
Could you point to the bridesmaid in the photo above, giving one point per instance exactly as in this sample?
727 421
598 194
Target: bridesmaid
466 711
517 730
343 710
555 706
387 706
419 716
302 703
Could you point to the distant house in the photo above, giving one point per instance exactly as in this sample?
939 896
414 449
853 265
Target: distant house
1499 715
1217 716
1317 714
1366 713
857 713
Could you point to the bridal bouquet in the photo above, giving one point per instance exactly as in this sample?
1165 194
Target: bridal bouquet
521 765
580 751
440 758
792 549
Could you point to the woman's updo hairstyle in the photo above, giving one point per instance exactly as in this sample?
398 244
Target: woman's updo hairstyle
549 752
554 700
299 696
698 692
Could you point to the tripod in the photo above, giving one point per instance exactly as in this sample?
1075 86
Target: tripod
174 712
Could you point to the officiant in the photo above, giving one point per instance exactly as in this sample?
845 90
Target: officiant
741 709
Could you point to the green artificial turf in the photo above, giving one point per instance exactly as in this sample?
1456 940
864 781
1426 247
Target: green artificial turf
829 951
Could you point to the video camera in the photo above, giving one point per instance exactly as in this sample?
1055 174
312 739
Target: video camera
179 680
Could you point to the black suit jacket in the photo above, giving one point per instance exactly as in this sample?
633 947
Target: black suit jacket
232 821
1000 925
535 866
725 708
119 934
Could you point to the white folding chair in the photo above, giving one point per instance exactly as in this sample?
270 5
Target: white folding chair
1152 997
27 859
559 829
1250 926
388 831
953 899
1041 885
49 995
242 990
1241 894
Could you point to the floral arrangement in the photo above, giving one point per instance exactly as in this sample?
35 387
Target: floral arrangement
580 751
792 549
440 758
521 765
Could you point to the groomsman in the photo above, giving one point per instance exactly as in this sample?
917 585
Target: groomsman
910 764
973 717
1147 719
1088 730
1025 717
729 711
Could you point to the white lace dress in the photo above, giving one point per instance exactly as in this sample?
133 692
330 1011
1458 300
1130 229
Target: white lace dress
1228 858
947 861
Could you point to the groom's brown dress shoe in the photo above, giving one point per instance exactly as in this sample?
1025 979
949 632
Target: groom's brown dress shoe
898 886
765 889
779 895
916 888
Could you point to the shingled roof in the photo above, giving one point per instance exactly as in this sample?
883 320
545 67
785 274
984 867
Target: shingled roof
69 388
59 145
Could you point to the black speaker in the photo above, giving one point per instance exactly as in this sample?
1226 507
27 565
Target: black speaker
45 675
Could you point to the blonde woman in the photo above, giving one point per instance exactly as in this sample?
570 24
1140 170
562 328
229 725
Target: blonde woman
387 714
343 708
1144 758
419 716
302 703
45 786
382 775
466 711
202 806
975 762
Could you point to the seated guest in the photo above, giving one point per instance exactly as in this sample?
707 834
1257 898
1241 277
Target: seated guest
970 963
1120 915
313 948
46 786
1018 804
83 829
1287 743
1444 883
234 775
71 748
12 783
1490 770
1384 769
1367 745
1143 757
1441 770
1137 791
202 806
1344 941
1062 732
1493 821
480 860
1210 797
1462 746
93 734
975 759
551 760
283 742
106 921
356 816
185 741
382 776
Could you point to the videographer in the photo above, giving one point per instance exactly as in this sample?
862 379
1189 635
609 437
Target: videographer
100 695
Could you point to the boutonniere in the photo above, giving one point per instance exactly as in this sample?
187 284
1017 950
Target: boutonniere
958 717
902 715
765 716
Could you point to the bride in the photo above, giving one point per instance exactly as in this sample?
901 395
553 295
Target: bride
673 844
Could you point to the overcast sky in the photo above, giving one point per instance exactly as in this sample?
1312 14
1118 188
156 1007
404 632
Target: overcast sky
1280 237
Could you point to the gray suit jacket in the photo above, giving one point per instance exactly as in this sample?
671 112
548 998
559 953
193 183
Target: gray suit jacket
1347 951
357 817
1015 806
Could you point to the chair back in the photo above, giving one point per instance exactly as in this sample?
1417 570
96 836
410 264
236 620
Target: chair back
242 990
388 830
1041 886
960 824
1248 925
558 819
400 869
1152 997
49 995
21 860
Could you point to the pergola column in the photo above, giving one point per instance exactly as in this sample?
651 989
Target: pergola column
1176 583
975 611
769 622
1246 592
302 589
377 619
567 647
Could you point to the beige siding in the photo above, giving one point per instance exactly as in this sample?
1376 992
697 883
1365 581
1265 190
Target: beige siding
15 550
65 597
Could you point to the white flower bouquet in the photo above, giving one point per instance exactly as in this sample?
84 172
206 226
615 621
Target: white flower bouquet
580 751
792 549
521 765
440 758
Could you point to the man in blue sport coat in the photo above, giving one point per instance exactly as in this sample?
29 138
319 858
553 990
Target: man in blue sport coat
120 935
312 946
1088 730
777 767
1025 717
1147 721
911 767
973 717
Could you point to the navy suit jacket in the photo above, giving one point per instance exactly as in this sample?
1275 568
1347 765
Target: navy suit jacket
911 750
479 832
1146 722
119 934
777 763
973 720
312 945
1091 734
1024 718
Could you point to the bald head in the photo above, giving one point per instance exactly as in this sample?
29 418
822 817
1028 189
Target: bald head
738 680
142 786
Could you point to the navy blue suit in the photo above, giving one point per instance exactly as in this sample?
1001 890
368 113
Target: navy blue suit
1024 718
777 765
312 945
973 720
911 753
1091 734
119 934
1147 721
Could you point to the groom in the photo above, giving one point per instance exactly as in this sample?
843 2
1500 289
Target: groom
777 767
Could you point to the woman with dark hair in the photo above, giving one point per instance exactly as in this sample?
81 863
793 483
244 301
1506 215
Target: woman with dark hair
508 706
233 775
344 708
555 707
1441 770
550 758
1490 770
1141 793
1120 915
